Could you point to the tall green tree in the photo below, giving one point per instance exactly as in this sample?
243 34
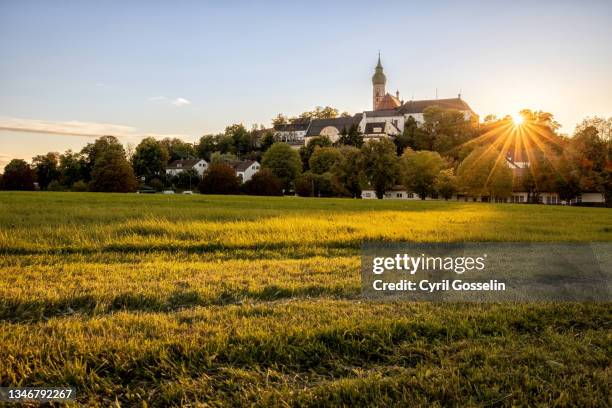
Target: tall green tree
150 158
484 173
323 159
351 137
284 163
18 175
70 168
419 171
444 131
113 173
349 170
178 149
307 150
46 168
381 165
446 183
92 151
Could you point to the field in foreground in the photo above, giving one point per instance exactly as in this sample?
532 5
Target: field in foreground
230 301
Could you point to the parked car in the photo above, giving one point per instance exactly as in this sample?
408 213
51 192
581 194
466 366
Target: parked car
168 191
188 192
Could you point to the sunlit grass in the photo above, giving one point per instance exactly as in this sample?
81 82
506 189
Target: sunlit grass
234 301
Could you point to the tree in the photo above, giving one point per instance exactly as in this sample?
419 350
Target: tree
113 173
419 171
240 138
603 126
484 173
443 131
46 169
351 137
446 183
323 159
70 168
381 165
263 183
284 163
304 185
280 119
205 146
92 151
150 158
308 150
320 113
219 178
410 137
178 149
267 141
18 175
218 157
349 170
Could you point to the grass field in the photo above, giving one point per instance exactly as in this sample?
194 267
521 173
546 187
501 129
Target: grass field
229 301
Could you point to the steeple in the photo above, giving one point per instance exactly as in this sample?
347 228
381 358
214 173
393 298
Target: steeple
379 77
378 84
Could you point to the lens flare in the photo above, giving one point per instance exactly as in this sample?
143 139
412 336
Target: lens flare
517 120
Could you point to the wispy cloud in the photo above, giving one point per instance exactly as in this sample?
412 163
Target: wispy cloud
174 101
180 102
76 128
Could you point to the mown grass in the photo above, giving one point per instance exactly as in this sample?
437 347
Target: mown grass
234 301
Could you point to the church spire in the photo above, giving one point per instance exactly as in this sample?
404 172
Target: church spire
378 84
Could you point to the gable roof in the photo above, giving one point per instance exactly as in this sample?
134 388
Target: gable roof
183 164
317 125
242 165
420 106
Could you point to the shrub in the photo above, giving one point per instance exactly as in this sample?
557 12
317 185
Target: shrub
79 186
304 185
219 178
263 183
55 186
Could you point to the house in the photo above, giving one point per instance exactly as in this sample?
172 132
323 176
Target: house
292 133
179 166
245 169
332 128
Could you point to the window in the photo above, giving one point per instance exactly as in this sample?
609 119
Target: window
410 195
399 195
367 195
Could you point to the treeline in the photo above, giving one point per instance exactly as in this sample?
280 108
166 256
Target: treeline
443 156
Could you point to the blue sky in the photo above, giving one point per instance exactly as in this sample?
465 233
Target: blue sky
135 68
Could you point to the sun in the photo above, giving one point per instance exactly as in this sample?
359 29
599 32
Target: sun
517 120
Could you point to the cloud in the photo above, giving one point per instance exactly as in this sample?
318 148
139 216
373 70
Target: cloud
176 101
76 128
180 102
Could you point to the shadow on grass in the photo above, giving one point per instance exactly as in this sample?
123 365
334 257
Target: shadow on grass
35 310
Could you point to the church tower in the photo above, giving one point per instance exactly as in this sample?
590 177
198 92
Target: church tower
378 84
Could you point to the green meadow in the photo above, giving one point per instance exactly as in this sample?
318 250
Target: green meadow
155 300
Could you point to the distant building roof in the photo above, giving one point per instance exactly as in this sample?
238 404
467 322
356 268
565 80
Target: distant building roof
298 125
382 113
241 165
388 102
317 125
183 164
420 106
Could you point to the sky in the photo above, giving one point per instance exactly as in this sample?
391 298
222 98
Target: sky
71 71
